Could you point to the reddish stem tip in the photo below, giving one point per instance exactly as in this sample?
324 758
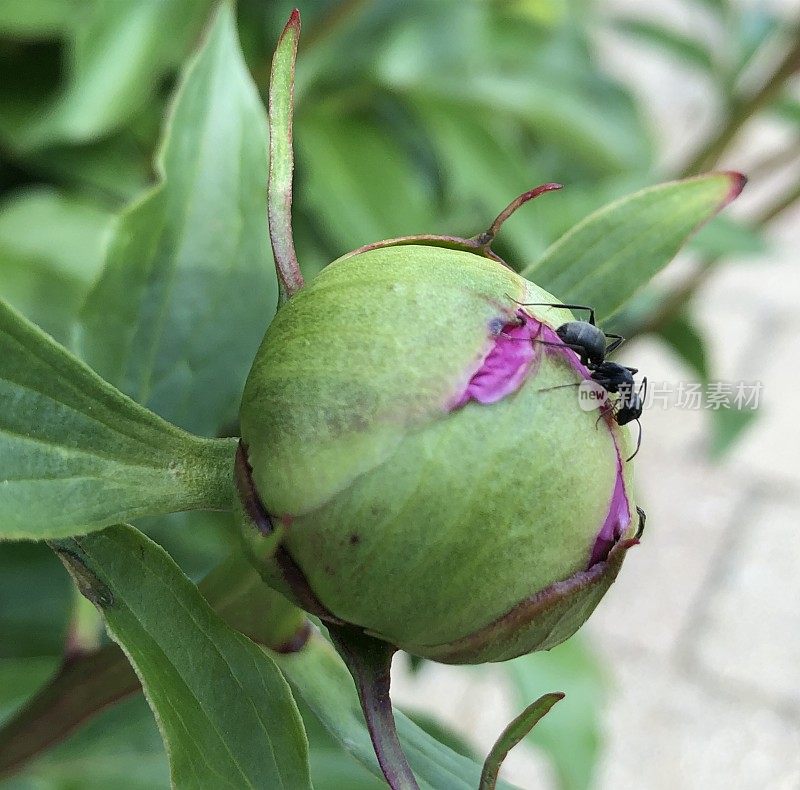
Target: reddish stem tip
536 191
486 238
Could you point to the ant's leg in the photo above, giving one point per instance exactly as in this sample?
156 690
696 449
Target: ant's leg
577 349
643 389
604 381
559 387
590 310
618 341
642 519
632 370
638 443
604 411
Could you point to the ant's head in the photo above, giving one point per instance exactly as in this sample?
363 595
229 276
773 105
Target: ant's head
631 410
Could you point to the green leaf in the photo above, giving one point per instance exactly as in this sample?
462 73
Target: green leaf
80 689
788 108
320 678
117 167
756 28
615 251
570 735
115 54
91 682
194 539
237 593
714 5
724 236
575 120
468 55
481 171
685 49
332 768
727 427
520 727
685 339
19 679
318 675
340 158
189 287
51 250
225 713
121 748
442 732
77 455
36 596
33 18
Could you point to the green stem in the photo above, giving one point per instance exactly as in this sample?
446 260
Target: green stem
83 686
370 661
85 627
774 161
743 108
777 207
518 729
210 469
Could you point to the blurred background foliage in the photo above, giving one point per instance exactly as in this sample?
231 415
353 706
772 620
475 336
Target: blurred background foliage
412 117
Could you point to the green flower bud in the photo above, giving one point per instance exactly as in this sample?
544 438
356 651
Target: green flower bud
415 461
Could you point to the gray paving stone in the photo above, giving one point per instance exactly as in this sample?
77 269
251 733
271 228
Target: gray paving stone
750 634
701 631
478 704
668 432
769 450
667 732
689 504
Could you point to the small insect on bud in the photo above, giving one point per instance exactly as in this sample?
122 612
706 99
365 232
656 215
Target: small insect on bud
414 459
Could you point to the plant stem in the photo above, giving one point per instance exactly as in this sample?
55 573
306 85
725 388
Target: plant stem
370 661
785 201
743 108
512 735
82 687
210 468
85 627
774 161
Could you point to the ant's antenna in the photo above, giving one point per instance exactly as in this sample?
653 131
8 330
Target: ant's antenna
638 441
642 519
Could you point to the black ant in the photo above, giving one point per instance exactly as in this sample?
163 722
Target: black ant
585 338
618 378
589 342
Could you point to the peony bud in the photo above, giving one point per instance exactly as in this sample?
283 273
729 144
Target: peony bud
415 461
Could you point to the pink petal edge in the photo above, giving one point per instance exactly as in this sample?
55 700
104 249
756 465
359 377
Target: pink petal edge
513 357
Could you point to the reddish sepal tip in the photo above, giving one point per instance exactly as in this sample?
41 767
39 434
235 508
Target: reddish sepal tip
738 181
